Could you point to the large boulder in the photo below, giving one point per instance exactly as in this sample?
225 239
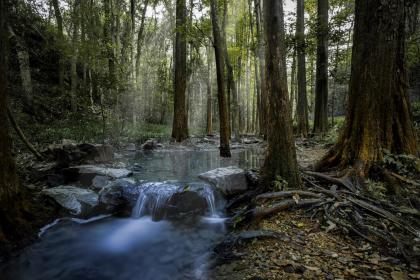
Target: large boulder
118 193
229 180
77 201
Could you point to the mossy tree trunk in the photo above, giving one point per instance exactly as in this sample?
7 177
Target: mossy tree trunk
180 122
378 116
221 88
11 206
281 154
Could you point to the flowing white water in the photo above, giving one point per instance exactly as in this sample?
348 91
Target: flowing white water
154 196
152 199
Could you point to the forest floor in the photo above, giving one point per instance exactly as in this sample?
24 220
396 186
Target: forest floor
310 250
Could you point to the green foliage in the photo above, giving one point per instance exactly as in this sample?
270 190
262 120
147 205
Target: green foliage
280 184
401 164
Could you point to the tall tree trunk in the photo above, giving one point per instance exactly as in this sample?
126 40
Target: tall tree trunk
74 78
59 20
140 36
263 108
302 105
109 42
180 122
293 84
25 71
321 87
378 115
13 224
281 154
232 92
209 117
221 89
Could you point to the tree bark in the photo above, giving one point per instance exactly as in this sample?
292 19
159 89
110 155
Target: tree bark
209 117
302 104
140 36
25 70
109 42
59 20
74 78
321 87
263 104
180 122
378 115
221 89
13 223
281 154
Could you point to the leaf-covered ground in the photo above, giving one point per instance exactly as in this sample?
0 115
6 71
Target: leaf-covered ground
311 252
311 249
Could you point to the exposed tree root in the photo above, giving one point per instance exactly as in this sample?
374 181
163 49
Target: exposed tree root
284 194
392 227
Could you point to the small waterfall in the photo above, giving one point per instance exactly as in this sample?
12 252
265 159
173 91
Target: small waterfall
208 194
154 198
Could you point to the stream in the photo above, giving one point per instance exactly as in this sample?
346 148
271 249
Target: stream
146 245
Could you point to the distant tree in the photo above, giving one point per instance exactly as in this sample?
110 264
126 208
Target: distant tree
209 110
281 155
221 88
180 122
378 116
61 65
302 104
321 86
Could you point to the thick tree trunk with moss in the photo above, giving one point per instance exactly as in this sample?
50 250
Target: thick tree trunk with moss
321 86
221 88
12 221
180 122
281 155
378 116
302 104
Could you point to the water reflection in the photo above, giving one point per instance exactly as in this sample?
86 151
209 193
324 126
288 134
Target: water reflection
128 248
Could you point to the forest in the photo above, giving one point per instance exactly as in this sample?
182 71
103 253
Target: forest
209 139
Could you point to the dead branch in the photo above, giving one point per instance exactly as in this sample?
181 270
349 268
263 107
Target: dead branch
22 136
284 194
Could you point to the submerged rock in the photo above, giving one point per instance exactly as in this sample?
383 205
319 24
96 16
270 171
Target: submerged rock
86 173
229 180
77 201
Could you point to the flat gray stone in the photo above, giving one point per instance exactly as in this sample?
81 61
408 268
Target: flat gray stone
229 180
73 198
114 173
